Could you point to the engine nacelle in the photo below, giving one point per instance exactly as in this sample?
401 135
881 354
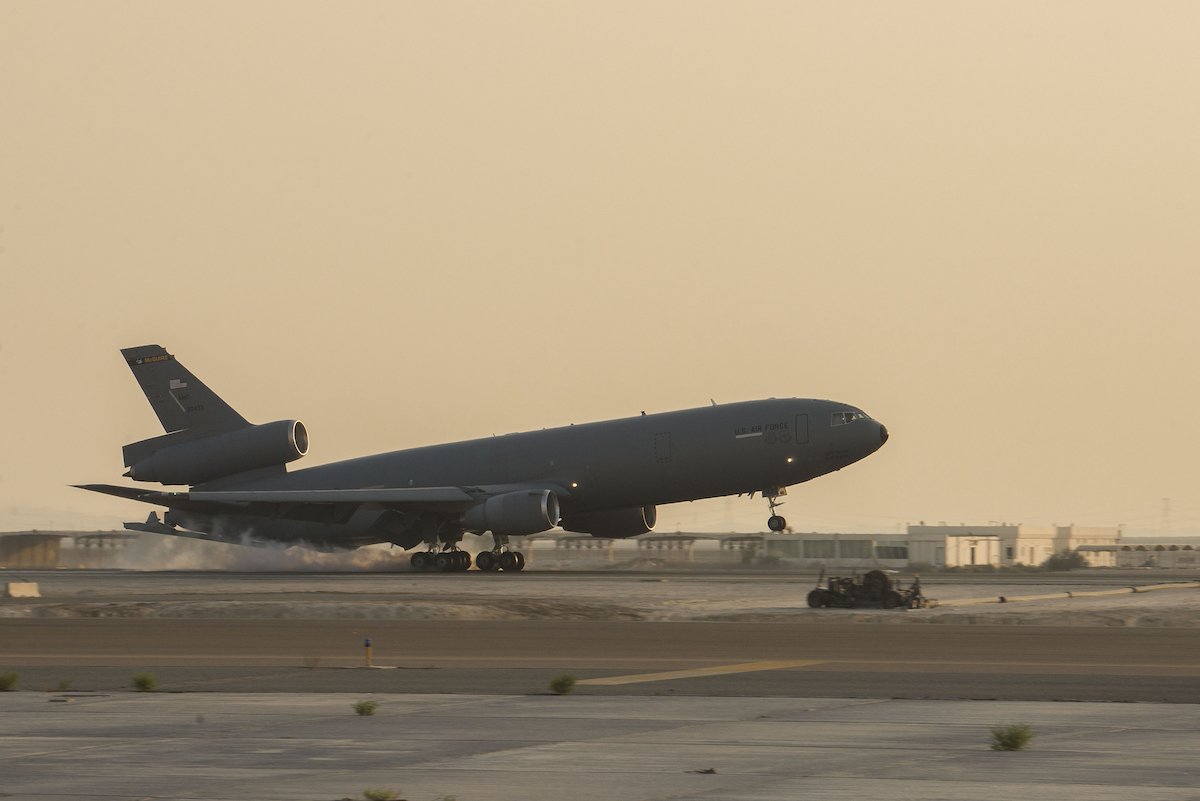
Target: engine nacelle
614 524
201 460
521 512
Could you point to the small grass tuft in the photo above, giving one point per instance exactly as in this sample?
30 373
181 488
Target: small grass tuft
380 794
144 682
1012 737
365 708
7 682
562 685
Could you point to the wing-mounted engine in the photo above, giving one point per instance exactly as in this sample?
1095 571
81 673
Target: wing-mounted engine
614 523
183 458
516 513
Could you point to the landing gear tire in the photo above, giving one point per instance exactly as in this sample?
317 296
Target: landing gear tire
512 561
462 561
419 560
776 523
445 561
486 561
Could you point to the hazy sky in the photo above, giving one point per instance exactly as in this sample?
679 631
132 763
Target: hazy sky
407 223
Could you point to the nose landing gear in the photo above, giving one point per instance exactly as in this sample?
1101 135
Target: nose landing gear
775 522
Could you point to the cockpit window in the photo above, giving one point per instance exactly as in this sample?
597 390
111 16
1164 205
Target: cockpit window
842 418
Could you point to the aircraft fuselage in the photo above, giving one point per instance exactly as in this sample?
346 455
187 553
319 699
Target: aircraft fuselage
649 460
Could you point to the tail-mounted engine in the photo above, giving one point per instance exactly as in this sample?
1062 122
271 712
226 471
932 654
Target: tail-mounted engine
613 523
181 458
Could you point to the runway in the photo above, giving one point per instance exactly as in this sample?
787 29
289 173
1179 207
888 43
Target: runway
716 633
689 686
703 658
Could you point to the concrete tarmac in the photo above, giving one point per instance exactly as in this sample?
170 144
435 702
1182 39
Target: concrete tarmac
278 747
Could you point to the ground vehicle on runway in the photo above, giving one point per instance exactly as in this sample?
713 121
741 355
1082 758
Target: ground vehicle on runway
873 590
605 479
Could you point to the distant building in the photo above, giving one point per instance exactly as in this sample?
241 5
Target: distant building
947 546
962 545
47 550
1157 554
32 550
841 551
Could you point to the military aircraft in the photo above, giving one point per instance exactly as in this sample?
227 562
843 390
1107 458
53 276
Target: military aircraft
605 479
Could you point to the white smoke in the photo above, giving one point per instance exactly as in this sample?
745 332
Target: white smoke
162 552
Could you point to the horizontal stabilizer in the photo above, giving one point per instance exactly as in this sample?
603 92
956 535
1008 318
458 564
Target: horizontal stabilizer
132 493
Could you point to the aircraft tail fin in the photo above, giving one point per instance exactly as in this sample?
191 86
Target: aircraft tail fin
180 400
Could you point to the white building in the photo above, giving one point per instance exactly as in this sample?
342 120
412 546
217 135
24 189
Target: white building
950 546
954 548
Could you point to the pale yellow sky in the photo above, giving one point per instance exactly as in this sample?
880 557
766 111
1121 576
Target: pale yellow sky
407 223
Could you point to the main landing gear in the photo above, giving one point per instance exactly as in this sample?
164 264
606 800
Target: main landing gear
508 561
456 561
501 557
450 561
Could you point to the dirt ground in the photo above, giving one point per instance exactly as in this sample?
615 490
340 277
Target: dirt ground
604 594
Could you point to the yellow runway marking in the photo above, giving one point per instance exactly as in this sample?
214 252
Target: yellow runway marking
716 670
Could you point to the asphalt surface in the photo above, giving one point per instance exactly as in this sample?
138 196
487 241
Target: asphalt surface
518 657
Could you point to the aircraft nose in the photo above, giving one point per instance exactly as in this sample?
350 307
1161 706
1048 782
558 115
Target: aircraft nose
883 433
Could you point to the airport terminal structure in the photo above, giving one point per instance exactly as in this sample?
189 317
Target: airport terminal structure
923 546
945 546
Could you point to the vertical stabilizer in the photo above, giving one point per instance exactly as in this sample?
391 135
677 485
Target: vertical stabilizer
180 400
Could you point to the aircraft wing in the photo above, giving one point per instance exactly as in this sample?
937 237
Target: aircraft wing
382 496
325 505
154 526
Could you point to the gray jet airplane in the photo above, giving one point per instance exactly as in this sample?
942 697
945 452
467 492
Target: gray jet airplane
605 479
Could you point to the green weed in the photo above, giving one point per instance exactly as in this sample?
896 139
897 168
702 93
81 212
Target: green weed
144 682
562 685
1012 737
380 794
